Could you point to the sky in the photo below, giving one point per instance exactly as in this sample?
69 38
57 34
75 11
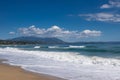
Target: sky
69 20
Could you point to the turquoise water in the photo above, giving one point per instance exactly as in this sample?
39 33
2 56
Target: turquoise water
108 50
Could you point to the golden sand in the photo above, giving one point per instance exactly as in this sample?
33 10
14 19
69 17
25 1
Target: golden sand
8 72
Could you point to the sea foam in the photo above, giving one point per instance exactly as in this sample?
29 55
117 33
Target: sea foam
68 65
72 57
37 47
76 46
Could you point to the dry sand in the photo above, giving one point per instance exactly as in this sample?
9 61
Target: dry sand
8 72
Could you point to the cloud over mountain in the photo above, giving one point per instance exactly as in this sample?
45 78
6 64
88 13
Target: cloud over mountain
57 32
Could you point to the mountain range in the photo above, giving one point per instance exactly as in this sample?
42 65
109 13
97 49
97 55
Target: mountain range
37 40
32 40
41 40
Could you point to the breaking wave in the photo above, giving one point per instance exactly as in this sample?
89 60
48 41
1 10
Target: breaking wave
70 57
37 47
76 46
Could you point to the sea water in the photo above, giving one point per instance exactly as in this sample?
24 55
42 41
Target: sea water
91 61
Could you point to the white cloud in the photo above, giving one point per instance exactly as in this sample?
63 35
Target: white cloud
58 32
88 33
11 33
106 17
105 6
111 4
32 30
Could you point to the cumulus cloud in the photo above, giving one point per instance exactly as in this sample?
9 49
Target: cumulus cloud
87 33
105 6
111 4
106 17
11 33
58 32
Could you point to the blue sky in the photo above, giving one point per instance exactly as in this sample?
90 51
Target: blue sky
69 20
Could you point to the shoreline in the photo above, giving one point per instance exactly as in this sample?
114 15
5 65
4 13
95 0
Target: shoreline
9 72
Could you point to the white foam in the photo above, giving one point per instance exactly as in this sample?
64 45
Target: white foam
65 56
76 46
53 47
37 47
64 64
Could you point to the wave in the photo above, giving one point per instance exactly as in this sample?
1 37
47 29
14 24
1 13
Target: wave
67 47
53 47
63 56
37 47
76 46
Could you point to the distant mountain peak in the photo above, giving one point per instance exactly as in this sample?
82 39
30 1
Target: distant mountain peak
47 40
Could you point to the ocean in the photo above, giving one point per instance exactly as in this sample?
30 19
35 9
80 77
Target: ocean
83 61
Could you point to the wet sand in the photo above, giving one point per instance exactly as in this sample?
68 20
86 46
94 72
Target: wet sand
8 72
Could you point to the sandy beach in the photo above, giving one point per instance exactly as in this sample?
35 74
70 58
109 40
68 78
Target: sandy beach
8 72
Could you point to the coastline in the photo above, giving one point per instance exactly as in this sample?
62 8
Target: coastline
8 72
